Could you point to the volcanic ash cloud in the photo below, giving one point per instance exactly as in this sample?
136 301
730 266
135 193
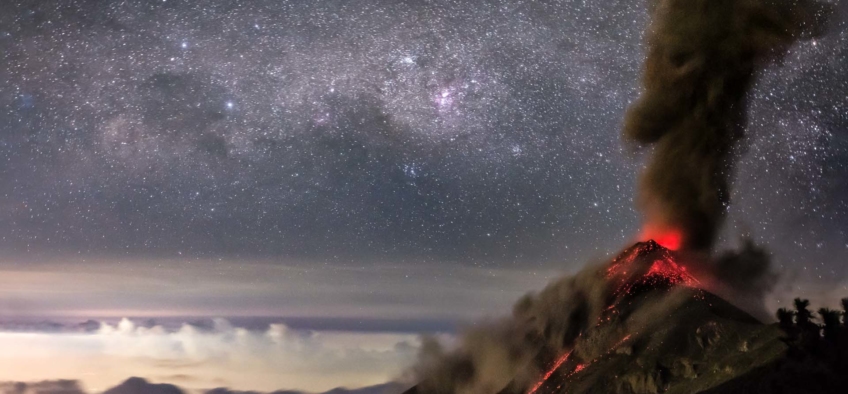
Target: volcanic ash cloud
701 61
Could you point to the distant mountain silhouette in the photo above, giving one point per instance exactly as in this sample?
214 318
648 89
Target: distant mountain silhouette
386 388
136 385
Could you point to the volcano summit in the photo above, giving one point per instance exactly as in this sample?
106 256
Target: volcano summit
639 324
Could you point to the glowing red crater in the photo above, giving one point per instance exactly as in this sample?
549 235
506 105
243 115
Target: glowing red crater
663 270
669 238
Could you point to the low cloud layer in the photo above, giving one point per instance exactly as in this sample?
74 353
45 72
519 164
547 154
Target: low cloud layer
203 357
137 385
43 387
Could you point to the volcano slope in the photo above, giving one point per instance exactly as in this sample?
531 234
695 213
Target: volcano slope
639 324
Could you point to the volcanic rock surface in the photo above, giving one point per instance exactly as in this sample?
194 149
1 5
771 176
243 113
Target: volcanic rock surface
660 332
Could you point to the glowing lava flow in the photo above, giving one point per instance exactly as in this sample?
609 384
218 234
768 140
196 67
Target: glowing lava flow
671 272
577 368
664 270
550 372
627 273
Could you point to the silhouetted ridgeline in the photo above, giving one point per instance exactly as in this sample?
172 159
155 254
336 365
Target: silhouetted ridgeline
136 385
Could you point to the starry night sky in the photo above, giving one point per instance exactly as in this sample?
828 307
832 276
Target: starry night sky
480 134
335 177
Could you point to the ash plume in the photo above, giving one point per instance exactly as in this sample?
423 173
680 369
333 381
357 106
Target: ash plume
701 62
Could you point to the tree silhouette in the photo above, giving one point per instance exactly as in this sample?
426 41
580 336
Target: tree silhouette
803 316
786 318
831 323
826 343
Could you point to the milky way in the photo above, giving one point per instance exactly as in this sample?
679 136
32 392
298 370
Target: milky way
483 132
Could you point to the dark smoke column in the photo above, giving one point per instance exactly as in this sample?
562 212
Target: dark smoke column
702 57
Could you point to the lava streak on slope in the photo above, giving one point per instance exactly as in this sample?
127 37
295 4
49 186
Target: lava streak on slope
627 276
550 372
576 369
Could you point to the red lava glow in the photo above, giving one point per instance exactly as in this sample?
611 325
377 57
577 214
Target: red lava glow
663 271
669 271
550 372
621 342
671 239
577 368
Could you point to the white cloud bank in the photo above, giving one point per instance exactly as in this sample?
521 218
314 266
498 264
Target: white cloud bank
202 358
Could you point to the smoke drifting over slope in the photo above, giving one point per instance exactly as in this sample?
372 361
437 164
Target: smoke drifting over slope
702 58
492 355
576 321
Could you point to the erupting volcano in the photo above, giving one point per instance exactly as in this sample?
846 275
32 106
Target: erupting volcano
640 323
644 267
643 322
